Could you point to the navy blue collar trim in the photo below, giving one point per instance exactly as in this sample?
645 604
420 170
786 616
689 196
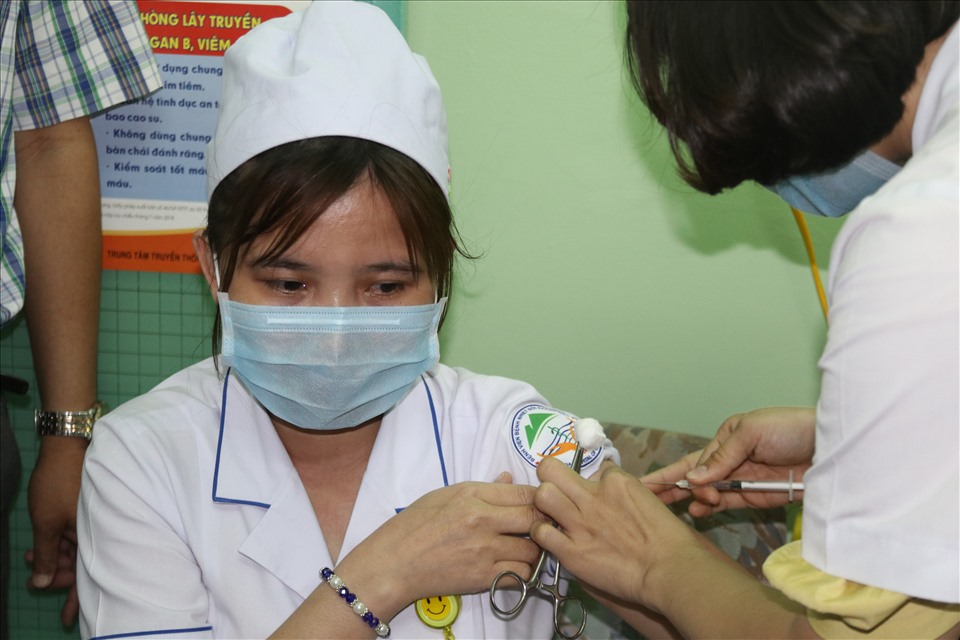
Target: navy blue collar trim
223 415
216 471
141 634
436 431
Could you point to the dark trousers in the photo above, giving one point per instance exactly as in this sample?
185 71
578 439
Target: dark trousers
9 479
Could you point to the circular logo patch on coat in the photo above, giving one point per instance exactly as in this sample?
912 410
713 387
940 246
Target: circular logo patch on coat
540 432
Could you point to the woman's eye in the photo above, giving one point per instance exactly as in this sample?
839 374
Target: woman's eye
387 288
287 286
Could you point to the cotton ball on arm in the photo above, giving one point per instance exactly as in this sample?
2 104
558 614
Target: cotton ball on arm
589 433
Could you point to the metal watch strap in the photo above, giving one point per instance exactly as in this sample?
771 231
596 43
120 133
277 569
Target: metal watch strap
78 424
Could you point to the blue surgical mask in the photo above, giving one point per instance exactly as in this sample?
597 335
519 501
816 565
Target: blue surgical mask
836 193
329 367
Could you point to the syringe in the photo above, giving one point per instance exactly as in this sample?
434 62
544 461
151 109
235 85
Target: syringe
745 485
787 486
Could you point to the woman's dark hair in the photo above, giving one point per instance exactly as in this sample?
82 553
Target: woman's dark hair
765 90
285 189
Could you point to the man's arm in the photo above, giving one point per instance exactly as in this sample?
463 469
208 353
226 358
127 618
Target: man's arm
58 205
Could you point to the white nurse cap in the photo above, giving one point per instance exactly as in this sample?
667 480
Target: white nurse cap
333 69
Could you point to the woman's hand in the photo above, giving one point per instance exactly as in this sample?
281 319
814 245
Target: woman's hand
453 540
765 444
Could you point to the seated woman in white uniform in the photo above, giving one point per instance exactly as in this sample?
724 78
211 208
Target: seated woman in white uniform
325 446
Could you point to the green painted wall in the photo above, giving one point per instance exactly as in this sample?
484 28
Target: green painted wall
616 290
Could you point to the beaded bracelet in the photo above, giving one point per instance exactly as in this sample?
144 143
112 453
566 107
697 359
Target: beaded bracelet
382 629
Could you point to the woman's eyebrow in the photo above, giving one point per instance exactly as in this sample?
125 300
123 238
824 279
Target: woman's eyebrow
279 262
406 267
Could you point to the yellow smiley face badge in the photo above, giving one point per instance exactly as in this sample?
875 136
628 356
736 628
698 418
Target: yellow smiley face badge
438 612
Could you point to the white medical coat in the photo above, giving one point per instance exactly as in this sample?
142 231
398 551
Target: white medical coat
882 501
193 526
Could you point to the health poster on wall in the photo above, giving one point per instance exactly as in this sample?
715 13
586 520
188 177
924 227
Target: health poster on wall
152 152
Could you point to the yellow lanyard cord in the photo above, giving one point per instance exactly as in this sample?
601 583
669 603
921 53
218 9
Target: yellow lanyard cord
805 232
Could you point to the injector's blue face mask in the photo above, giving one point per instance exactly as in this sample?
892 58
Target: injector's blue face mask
836 193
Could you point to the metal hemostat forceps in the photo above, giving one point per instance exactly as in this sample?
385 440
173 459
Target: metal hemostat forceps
536 582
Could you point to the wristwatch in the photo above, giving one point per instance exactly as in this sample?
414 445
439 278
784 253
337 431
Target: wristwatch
78 424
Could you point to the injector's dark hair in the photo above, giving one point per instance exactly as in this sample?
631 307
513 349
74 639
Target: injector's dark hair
765 90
